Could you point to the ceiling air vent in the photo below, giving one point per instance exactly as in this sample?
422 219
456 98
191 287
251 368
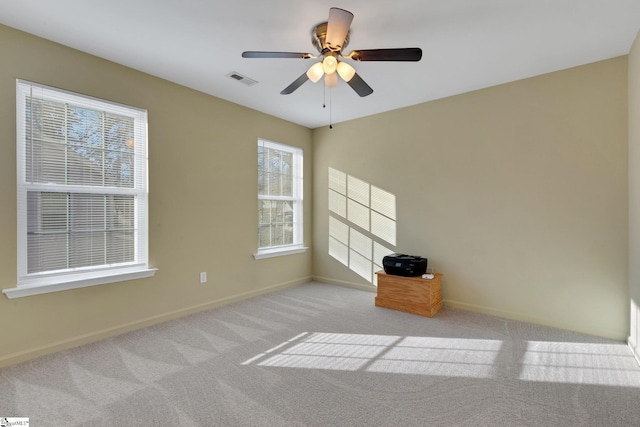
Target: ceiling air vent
242 79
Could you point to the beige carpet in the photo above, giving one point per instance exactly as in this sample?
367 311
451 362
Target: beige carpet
320 355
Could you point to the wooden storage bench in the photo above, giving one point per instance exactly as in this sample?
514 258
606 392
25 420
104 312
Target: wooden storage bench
409 294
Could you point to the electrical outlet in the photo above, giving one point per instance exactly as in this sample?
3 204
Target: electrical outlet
203 277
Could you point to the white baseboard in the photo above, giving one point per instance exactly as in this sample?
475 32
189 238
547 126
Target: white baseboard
489 310
605 333
368 288
32 353
633 348
25 355
483 310
616 335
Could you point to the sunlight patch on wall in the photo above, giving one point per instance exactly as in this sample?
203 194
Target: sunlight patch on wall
339 240
362 222
360 243
358 214
383 202
360 265
338 203
383 227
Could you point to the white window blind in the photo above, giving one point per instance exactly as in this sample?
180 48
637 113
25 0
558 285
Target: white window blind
82 187
279 198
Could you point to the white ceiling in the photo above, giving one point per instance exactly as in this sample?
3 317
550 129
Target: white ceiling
466 44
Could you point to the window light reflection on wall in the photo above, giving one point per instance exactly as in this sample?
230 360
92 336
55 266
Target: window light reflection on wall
362 222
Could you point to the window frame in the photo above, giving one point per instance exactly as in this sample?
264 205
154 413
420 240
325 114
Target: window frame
297 198
76 277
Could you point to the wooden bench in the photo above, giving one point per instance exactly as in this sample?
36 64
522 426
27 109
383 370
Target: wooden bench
409 294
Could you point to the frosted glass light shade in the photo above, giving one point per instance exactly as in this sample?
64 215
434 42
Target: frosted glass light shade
329 64
331 80
346 71
315 72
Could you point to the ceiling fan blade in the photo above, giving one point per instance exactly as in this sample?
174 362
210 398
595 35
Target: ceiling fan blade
337 28
294 55
360 86
403 54
295 85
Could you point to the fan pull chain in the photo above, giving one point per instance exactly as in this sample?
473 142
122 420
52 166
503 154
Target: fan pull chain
324 96
324 104
330 108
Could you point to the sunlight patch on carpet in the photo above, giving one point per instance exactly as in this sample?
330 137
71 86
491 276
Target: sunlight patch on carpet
539 361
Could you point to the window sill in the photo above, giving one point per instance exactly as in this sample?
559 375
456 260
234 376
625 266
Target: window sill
270 253
28 290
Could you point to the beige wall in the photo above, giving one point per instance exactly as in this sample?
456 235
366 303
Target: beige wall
516 193
203 207
634 195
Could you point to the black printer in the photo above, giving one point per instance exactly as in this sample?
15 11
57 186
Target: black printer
404 265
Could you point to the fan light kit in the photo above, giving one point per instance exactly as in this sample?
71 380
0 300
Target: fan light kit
330 38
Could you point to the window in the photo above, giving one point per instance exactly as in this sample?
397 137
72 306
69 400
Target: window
82 191
279 199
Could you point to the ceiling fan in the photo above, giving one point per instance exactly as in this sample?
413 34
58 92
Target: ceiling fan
330 38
